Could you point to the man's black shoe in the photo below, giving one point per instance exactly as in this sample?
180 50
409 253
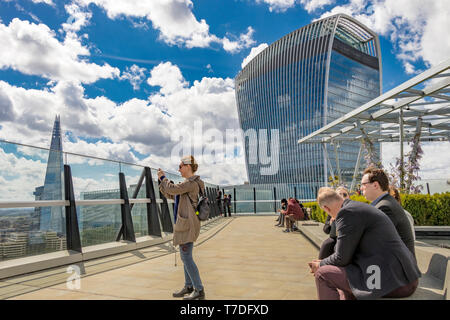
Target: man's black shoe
196 295
182 292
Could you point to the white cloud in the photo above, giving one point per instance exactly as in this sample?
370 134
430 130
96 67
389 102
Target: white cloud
146 126
135 75
244 41
278 5
417 30
19 177
34 50
312 5
78 18
49 2
174 20
168 77
253 53
433 165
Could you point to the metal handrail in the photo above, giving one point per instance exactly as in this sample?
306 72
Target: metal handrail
96 202
66 203
82 155
31 204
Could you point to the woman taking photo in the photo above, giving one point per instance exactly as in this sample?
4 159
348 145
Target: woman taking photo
187 225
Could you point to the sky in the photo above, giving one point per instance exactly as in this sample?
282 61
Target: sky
129 77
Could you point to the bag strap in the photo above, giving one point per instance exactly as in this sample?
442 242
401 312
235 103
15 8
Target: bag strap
201 193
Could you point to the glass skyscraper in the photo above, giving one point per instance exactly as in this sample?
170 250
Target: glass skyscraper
53 218
300 83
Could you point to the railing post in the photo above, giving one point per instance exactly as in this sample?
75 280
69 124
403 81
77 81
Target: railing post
275 199
234 194
166 221
254 200
295 192
154 225
72 232
213 202
127 230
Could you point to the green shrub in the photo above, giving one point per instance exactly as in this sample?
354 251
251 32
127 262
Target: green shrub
317 214
426 210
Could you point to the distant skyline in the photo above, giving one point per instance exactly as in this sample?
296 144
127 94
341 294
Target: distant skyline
125 75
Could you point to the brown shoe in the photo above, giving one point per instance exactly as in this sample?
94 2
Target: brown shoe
182 292
196 295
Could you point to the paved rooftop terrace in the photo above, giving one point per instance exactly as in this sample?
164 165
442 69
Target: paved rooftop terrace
239 258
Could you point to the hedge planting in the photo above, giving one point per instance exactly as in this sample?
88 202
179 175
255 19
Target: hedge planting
426 210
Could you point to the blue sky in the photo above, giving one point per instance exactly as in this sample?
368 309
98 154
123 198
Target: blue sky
124 74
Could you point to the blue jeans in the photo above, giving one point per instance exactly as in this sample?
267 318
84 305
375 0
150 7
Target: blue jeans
191 274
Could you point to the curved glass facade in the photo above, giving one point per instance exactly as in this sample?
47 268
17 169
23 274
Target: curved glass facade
300 83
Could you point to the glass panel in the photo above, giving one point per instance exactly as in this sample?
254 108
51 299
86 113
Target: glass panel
99 224
20 235
24 171
139 216
132 175
92 180
139 211
264 207
30 174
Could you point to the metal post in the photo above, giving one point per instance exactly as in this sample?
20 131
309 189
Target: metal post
164 214
402 168
234 194
73 239
254 200
428 188
211 205
295 192
355 173
338 167
275 199
127 230
212 197
329 162
153 222
138 188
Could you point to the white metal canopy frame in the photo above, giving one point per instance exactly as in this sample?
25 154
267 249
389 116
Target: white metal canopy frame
418 108
426 108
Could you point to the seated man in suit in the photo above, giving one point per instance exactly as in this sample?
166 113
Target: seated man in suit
375 187
370 260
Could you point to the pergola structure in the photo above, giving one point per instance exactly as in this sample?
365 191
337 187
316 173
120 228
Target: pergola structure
418 108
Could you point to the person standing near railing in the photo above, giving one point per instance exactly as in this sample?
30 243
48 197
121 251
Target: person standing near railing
226 205
187 226
219 202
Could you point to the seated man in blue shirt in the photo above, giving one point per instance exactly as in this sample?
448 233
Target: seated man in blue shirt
375 187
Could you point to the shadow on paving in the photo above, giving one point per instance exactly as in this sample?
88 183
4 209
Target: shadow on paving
238 258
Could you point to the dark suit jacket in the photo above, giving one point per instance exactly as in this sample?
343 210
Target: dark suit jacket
330 228
395 212
366 238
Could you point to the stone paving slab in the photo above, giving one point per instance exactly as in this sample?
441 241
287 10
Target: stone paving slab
238 258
